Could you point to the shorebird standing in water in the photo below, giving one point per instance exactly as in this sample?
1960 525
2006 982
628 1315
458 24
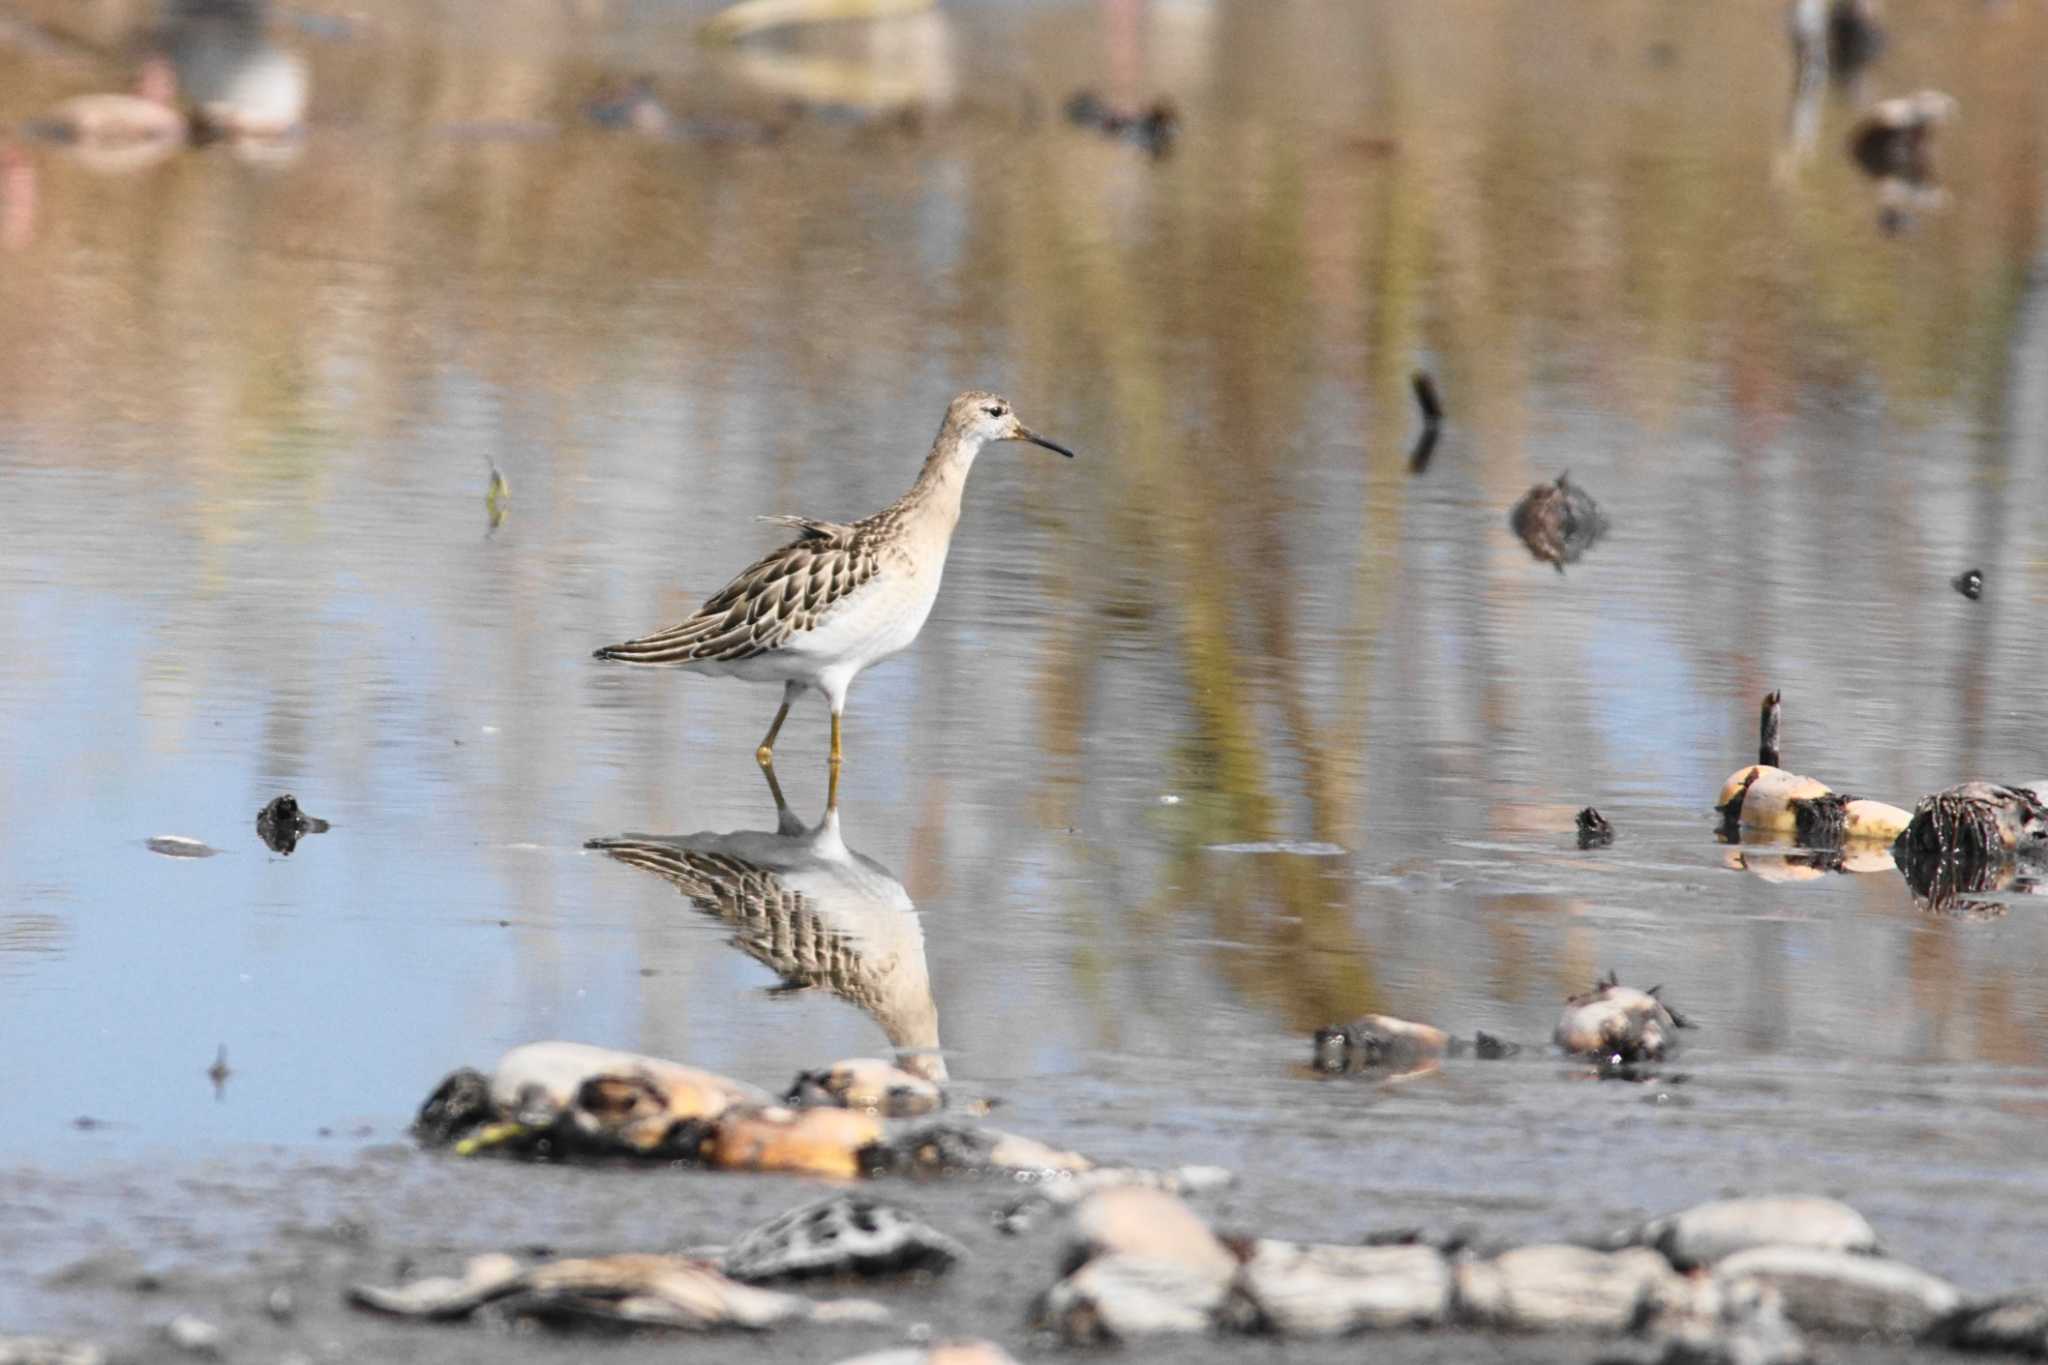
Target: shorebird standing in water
818 610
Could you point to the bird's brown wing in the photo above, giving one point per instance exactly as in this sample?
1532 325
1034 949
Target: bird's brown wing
778 596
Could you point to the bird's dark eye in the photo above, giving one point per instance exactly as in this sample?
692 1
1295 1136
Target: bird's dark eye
994 409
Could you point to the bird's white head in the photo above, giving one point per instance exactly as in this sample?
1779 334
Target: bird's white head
977 417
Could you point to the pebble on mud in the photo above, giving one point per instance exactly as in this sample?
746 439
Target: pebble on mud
1380 1043
1146 1223
1743 1323
2016 1324
1558 522
1618 1025
1115 1298
845 1234
1301 1290
627 1290
867 1084
1567 1288
194 1336
945 1353
49 1351
1707 1233
1843 1291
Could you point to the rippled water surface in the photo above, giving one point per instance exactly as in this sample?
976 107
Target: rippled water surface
1232 727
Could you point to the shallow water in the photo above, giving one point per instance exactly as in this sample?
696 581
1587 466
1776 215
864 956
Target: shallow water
248 411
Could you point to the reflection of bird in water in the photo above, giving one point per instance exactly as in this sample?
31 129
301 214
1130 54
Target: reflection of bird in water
816 612
1838 39
1896 136
812 911
234 79
1894 143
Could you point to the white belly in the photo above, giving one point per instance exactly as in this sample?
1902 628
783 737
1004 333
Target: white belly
879 619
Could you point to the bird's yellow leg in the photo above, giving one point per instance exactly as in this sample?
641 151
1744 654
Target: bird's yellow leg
832 787
765 755
774 787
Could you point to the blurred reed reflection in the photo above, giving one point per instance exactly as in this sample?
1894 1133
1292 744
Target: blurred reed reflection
811 910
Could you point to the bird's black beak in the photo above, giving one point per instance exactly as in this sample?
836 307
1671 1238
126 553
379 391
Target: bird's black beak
1027 434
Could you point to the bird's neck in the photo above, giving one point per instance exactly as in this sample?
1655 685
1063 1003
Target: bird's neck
936 494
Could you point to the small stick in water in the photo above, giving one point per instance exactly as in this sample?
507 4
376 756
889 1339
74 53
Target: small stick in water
1767 737
1432 419
1425 394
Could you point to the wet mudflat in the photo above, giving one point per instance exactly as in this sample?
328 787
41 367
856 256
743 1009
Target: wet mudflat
1228 730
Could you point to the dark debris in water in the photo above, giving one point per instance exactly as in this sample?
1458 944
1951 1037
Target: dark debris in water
1154 129
1970 583
281 824
1432 421
1558 521
1594 831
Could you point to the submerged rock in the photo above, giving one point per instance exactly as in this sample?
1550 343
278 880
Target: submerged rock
1566 1288
627 1290
2016 1324
1302 1290
1707 1233
1379 1043
870 1085
846 1234
1558 522
1618 1025
1842 1291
